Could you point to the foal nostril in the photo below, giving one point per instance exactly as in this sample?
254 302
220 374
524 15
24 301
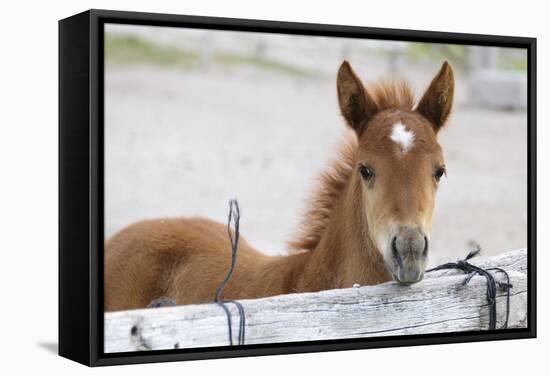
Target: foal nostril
425 252
395 252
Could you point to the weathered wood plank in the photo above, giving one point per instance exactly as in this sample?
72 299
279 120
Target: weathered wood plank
435 305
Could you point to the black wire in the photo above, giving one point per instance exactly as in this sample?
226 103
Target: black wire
492 284
234 215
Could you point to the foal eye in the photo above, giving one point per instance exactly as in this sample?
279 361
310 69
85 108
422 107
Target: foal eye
439 173
366 172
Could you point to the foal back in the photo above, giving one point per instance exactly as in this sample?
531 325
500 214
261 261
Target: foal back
184 260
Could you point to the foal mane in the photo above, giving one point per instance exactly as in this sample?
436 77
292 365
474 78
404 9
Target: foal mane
392 94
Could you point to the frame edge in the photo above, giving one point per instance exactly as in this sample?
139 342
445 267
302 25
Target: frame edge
74 165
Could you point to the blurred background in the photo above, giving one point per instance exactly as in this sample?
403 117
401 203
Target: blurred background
196 117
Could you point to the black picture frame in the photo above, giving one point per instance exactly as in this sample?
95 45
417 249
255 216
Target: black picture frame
81 185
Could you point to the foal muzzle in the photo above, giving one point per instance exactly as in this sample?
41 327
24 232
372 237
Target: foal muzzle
409 253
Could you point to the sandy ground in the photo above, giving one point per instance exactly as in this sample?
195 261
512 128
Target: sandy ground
182 144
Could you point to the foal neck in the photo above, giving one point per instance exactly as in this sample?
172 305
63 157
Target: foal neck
345 254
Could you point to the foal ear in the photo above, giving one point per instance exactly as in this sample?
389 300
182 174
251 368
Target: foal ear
437 102
356 105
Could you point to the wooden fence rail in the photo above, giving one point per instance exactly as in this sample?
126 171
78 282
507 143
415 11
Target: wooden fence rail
438 304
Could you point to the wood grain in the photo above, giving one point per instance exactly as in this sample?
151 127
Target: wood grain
438 304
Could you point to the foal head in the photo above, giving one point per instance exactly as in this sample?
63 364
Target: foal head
399 163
